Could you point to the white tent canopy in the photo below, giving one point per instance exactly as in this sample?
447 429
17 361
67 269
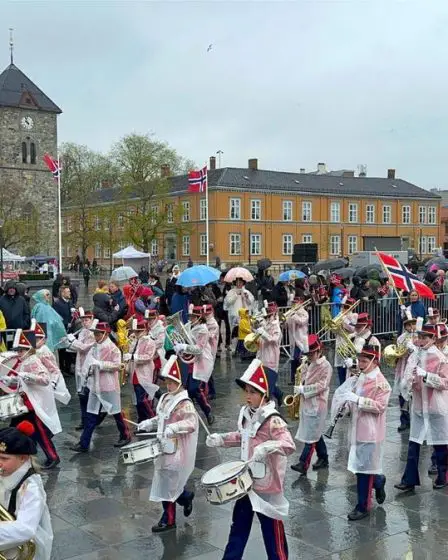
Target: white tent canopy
130 256
10 257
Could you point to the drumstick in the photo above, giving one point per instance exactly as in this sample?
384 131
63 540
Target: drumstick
130 422
204 425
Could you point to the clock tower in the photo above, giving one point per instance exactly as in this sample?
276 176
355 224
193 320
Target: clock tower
28 130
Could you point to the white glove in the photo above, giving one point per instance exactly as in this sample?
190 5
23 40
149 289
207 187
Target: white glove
95 362
169 433
147 425
179 348
403 307
71 337
28 377
259 454
8 380
421 372
127 357
214 440
260 331
353 397
348 363
72 309
298 390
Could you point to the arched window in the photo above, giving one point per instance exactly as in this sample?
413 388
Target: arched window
32 153
24 152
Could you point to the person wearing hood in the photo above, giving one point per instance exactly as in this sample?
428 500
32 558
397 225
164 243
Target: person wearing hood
358 292
280 294
103 309
43 312
14 308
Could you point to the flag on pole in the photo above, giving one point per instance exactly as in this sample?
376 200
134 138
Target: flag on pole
402 278
197 180
53 166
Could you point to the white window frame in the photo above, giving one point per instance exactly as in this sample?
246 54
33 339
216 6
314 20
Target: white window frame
63 224
203 244
170 213
62 251
255 244
186 212
431 244
287 244
335 212
69 224
98 251
432 215
423 245
307 211
69 251
120 222
154 247
370 214
106 252
352 244
387 214
255 209
186 245
406 214
422 214
287 210
234 244
235 208
307 238
353 212
97 224
335 244
202 209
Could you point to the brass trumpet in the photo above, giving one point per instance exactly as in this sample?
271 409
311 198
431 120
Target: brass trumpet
251 341
292 402
283 317
393 352
24 551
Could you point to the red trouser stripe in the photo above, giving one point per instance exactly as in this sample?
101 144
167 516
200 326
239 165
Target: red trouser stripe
279 532
310 455
126 426
48 447
369 493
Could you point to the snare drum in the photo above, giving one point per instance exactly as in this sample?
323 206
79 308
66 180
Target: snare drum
141 451
11 405
227 482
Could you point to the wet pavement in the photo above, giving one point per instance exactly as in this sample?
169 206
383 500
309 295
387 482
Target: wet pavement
100 508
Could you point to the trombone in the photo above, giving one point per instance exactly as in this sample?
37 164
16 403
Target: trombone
283 317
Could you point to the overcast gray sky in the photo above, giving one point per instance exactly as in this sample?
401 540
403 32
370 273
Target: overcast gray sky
292 83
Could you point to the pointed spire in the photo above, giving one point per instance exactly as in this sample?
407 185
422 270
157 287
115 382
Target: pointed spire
11 44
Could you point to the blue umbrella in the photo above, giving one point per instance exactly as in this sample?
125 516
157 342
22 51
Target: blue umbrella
289 275
198 275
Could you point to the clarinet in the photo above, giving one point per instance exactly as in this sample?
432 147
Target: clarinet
340 414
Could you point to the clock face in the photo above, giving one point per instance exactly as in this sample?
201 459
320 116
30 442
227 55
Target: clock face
27 123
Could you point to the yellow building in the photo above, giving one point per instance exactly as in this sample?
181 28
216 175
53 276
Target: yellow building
258 213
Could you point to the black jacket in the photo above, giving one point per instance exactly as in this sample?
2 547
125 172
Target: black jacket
64 310
103 310
15 309
280 295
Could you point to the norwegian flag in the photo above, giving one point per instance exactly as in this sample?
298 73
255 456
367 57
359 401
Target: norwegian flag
53 166
403 279
197 180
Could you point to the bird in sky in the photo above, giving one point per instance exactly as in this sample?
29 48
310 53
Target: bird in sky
209 48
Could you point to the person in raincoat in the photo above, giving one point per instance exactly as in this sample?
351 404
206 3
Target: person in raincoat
101 369
238 297
297 325
2 328
34 382
348 326
405 340
213 331
177 424
265 441
22 493
313 393
43 312
427 377
244 328
140 360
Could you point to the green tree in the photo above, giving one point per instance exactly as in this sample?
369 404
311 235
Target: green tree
110 233
144 165
84 172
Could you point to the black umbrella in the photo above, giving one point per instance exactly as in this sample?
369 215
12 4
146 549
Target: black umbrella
330 264
363 271
347 272
264 264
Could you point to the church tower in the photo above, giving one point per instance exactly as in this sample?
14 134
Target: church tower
28 130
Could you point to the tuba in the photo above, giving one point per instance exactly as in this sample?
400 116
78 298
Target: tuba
179 334
292 402
24 551
251 340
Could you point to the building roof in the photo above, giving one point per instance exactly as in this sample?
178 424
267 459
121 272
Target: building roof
243 179
14 87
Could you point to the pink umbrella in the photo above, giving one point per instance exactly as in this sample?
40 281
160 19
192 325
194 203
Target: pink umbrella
238 272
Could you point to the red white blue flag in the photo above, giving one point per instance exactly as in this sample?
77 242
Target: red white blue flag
197 180
403 279
53 166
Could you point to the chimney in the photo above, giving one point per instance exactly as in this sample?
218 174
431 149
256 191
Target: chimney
165 170
302 170
321 168
348 173
391 173
212 165
253 164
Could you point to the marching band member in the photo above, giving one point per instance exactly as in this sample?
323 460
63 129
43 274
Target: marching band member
213 329
177 424
82 345
366 399
363 335
269 344
265 441
297 324
406 339
349 326
140 360
201 368
22 494
157 333
429 408
46 356
101 368
37 393
433 316
313 392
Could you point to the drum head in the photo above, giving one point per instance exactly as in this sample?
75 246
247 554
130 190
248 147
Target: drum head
223 472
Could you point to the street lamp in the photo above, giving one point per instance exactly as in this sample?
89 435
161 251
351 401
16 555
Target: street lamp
1 252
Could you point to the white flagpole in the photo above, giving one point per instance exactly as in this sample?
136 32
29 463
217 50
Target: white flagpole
59 217
206 219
